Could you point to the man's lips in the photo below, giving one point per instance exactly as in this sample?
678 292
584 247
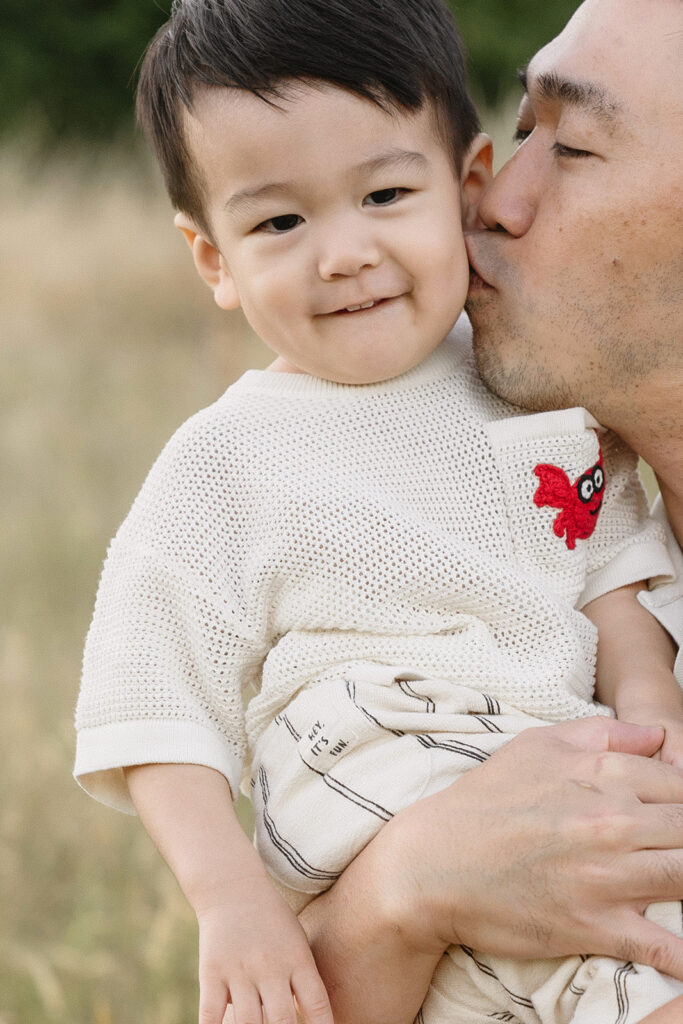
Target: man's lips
477 282
477 279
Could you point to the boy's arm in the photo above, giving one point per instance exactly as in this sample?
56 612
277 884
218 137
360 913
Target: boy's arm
635 667
252 950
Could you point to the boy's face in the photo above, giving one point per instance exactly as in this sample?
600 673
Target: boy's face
338 227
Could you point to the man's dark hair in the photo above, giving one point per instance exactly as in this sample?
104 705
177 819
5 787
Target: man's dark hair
400 54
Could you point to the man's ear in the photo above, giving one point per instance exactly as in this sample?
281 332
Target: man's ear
210 265
475 178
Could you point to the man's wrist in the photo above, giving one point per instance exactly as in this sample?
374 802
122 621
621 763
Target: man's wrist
364 940
408 904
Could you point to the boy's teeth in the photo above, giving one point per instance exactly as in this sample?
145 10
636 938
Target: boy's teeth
365 305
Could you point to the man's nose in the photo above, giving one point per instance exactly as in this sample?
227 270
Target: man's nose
346 250
509 203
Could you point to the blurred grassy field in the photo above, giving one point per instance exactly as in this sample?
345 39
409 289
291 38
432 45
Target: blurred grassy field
108 343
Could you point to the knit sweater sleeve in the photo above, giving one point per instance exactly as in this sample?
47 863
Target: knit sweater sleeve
172 645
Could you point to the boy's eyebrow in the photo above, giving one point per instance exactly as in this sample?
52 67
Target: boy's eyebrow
391 159
247 196
587 95
394 158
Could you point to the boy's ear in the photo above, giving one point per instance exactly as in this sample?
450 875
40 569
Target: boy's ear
210 265
475 178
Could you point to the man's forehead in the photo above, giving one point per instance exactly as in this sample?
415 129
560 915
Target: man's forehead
615 58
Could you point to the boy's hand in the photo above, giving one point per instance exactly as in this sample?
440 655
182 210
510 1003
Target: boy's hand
670 718
252 950
671 750
253 953
672 747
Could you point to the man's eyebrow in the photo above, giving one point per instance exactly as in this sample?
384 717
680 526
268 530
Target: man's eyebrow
587 95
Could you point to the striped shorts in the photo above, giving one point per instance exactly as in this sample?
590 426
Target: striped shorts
357 747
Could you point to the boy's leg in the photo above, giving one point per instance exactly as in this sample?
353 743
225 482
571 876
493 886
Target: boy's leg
623 992
350 752
325 778
569 990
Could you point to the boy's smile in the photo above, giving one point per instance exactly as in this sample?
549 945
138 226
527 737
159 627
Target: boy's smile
337 226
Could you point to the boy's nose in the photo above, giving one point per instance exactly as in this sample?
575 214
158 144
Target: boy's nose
345 254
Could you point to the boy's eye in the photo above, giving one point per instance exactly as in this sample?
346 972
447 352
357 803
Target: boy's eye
384 196
280 225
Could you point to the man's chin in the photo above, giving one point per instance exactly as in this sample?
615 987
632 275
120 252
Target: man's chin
521 384
488 341
495 377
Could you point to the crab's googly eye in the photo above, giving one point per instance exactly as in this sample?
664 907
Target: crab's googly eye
598 479
585 488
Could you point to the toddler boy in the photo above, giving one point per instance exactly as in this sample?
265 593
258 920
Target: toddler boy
388 556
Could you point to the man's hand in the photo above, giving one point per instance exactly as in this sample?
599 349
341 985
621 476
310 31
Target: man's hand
554 846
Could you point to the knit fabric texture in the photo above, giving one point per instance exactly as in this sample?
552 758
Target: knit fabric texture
297 525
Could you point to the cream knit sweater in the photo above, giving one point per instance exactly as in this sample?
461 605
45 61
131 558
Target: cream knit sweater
296 525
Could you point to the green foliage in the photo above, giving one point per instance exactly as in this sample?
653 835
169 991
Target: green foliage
502 35
67 69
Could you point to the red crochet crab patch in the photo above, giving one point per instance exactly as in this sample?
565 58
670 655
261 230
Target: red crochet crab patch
579 502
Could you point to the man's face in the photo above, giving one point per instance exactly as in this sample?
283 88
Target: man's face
338 227
577 294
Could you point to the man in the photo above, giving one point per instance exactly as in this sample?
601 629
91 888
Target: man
561 840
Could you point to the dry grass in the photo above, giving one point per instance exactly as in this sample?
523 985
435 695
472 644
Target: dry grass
108 342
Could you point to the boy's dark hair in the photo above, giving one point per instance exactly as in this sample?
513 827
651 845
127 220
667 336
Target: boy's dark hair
401 54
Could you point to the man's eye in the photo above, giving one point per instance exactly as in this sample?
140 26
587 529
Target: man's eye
568 151
384 196
521 135
280 225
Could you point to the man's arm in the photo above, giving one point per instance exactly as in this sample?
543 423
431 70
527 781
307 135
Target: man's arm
554 846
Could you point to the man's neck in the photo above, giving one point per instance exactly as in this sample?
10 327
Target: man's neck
673 502
652 424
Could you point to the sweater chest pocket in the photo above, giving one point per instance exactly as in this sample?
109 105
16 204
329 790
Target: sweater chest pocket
553 481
